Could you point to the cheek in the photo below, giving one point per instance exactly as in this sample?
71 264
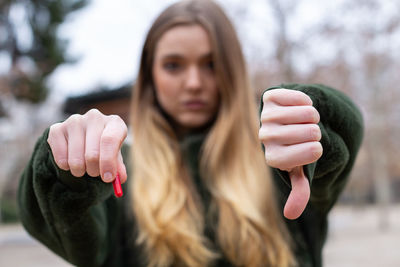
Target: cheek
166 89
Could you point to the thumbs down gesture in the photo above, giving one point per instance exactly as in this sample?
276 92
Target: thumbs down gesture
290 134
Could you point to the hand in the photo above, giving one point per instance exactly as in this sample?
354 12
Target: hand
90 143
291 135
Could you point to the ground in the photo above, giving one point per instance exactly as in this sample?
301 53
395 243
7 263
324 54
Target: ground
361 237
357 237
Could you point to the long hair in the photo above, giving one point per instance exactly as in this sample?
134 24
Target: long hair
249 230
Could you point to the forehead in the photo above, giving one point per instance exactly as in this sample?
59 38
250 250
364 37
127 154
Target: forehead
184 40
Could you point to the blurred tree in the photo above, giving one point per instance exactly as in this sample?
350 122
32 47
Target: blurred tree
282 11
279 67
30 50
29 42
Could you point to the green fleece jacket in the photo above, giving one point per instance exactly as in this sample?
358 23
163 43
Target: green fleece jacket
80 220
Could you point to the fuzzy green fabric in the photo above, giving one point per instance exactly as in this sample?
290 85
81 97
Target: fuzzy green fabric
80 220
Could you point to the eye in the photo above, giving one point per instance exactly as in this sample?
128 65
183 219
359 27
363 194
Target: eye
171 66
209 65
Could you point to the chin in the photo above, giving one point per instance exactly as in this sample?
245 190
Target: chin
194 123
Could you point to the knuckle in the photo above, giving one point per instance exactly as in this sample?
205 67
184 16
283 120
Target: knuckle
270 134
118 120
270 158
269 115
275 158
315 114
315 132
76 164
62 163
264 116
56 127
93 113
92 156
74 119
264 134
306 98
261 134
316 150
267 96
54 130
114 118
124 129
311 114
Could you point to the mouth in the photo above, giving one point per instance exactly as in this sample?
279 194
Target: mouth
194 104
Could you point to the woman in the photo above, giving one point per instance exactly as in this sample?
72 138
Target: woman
199 191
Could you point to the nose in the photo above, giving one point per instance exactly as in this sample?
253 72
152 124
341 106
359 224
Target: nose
193 78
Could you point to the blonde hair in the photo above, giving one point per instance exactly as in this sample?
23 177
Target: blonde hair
170 218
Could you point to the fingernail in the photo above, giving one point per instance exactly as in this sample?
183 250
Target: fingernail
107 177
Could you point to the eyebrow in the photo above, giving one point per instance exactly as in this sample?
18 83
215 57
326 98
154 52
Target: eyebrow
180 56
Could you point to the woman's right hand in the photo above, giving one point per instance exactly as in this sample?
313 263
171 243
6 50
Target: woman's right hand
90 143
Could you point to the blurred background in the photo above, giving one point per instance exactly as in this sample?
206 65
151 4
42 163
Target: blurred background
59 57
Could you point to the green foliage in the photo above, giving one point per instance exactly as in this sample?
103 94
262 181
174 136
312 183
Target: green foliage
46 50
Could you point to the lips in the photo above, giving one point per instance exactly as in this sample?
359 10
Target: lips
194 104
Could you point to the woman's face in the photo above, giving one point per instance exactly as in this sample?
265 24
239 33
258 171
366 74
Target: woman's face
183 73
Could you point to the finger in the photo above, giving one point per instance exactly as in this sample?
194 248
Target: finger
299 196
290 134
76 145
113 135
288 157
286 97
121 168
92 150
290 115
59 146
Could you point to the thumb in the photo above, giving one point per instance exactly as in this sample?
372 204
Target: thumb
299 196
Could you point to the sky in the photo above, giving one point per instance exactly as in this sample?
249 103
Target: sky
106 38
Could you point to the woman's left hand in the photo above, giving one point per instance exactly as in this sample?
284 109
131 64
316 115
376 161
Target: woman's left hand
290 134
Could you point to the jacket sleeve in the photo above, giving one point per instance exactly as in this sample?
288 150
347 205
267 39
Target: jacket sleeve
74 217
341 126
